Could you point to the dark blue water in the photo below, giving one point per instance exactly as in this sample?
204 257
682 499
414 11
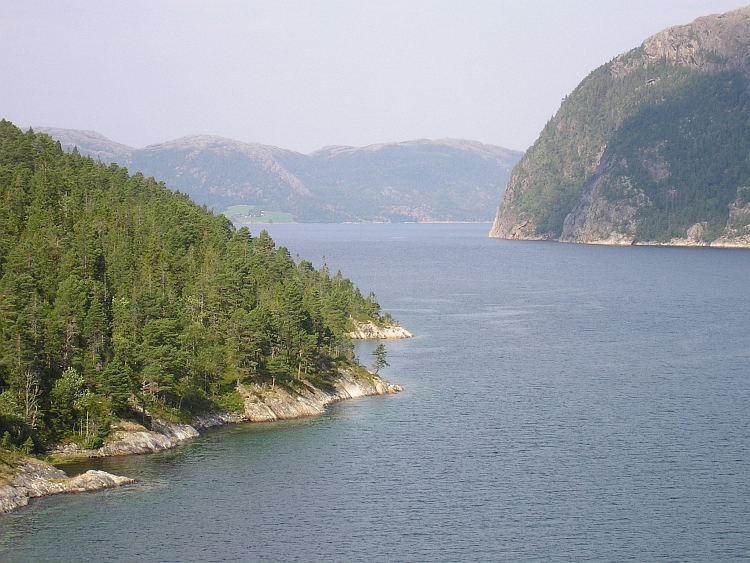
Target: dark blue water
562 403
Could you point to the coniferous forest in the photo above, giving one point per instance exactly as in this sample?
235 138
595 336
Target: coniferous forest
117 294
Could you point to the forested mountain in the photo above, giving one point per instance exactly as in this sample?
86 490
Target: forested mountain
446 180
118 294
652 147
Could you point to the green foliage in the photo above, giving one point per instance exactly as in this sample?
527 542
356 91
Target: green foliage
93 442
112 287
380 355
231 402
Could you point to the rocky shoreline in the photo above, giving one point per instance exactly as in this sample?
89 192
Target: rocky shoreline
371 331
34 479
265 403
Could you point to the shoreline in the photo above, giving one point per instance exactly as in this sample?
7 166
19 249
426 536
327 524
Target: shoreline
674 243
34 478
371 331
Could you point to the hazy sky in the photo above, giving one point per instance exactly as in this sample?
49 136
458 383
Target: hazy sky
304 74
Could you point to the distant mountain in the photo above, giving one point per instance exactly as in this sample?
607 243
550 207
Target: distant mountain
89 142
425 181
445 180
651 148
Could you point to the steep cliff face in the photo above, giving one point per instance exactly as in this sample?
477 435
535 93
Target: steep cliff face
650 148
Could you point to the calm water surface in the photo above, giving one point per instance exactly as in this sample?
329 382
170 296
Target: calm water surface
562 403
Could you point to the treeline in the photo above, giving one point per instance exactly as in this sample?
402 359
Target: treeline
117 295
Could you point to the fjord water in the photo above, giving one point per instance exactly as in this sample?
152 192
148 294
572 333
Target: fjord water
561 403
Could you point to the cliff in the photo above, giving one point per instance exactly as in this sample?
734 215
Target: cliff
651 148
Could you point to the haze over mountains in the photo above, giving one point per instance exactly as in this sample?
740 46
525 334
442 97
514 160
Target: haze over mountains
651 148
423 180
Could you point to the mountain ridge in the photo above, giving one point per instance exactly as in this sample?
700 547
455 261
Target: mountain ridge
420 180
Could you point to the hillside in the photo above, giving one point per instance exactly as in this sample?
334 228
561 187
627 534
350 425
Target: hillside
651 148
445 180
118 296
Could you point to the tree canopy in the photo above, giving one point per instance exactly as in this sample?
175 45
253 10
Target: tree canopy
116 293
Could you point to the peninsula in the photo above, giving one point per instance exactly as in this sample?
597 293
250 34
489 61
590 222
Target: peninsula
131 319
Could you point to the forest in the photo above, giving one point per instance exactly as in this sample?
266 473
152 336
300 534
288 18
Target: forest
118 295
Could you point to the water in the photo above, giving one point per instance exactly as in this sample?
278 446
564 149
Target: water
562 403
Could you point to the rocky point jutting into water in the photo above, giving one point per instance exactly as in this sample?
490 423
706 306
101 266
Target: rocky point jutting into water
651 148
33 479
371 331
126 308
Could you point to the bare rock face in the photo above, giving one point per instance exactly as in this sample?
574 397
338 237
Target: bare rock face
724 36
265 405
737 232
35 479
127 443
370 331
216 420
596 220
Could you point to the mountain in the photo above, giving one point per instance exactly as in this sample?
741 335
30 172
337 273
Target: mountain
424 180
97 145
220 172
651 148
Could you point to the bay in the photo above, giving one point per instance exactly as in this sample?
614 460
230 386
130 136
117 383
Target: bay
561 403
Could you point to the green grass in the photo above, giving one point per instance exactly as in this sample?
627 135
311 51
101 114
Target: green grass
248 214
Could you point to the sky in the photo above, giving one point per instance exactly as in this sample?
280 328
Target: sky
303 74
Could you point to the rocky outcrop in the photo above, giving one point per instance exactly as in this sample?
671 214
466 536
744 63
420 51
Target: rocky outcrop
371 331
128 443
130 438
34 479
264 404
216 419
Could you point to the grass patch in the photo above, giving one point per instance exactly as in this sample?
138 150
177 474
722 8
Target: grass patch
250 215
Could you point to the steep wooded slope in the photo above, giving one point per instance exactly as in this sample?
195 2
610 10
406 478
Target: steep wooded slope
650 148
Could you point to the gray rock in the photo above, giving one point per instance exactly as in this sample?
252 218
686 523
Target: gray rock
35 479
